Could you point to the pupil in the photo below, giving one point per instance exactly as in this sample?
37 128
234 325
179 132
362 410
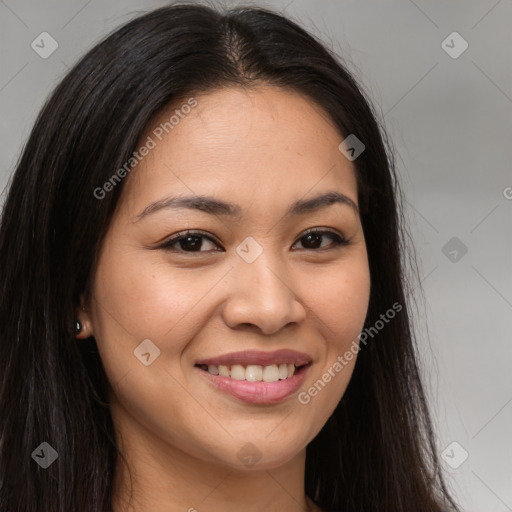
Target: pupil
187 240
313 236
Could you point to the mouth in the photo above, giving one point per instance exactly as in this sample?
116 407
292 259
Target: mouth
256 377
254 372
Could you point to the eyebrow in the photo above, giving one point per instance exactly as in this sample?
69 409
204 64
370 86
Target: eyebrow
214 206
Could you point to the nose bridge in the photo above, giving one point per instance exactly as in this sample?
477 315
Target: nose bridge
261 293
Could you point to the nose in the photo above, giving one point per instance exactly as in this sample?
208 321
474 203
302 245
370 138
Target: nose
262 297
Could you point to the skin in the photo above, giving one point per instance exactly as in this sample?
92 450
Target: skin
262 149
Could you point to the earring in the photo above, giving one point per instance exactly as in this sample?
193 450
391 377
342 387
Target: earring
78 326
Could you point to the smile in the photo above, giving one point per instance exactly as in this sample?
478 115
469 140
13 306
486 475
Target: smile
236 381
253 372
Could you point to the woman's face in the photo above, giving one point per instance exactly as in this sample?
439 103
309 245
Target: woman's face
248 283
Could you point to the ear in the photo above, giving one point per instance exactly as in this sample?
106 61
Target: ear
83 315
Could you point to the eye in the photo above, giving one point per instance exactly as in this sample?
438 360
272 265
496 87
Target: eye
313 236
190 241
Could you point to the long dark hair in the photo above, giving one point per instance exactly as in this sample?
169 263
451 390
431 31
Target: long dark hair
377 451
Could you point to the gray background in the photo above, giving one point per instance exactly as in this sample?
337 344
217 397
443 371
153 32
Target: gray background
451 122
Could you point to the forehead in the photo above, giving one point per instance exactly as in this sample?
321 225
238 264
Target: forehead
265 145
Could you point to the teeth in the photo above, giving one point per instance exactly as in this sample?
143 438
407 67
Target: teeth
237 372
254 372
213 369
271 373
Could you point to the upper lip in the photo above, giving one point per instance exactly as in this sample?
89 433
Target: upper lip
258 357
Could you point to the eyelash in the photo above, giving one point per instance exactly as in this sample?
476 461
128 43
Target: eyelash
338 240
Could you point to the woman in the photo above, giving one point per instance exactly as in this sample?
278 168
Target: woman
203 298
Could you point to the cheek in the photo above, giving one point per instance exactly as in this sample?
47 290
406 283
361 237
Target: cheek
150 298
340 303
139 299
340 300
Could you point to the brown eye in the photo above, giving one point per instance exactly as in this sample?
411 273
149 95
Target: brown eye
187 242
313 240
193 242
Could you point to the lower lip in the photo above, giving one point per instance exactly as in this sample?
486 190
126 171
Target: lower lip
258 392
